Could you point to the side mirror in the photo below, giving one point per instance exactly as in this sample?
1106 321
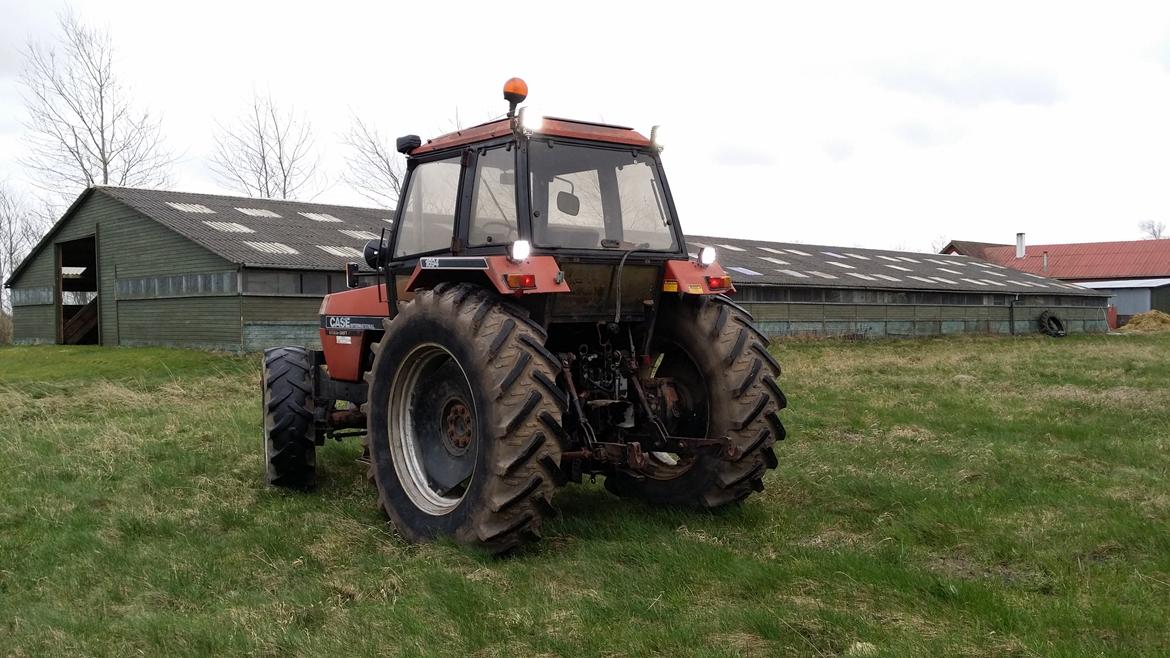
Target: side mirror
568 203
351 275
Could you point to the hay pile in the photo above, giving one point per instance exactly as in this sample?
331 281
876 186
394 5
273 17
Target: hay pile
1148 322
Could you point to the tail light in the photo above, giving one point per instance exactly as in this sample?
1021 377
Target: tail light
719 282
520 281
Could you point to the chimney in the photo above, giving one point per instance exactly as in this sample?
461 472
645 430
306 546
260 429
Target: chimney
1021 251
1046 262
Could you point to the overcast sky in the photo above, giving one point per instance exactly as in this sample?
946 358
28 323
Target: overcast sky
859 124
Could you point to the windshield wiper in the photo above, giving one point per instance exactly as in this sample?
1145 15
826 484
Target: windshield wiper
658 200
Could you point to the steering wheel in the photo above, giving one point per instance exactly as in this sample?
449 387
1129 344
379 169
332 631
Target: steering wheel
508 228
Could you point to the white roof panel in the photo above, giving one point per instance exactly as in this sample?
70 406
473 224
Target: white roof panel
744 270
1119 285
259 212
191 207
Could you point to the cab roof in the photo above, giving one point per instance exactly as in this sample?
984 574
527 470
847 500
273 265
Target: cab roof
553 127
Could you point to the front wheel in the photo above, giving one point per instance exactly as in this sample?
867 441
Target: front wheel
289 444
720 364
464 420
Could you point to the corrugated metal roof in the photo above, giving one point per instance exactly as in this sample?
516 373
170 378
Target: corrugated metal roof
300 235
754 262
314 233
1116 284
1089 260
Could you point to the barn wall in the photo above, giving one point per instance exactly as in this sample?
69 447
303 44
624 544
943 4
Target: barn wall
271 321
1160 299
1130 301
29 324
877 320
202 322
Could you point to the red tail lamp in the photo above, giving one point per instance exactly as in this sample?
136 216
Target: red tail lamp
719 282
520 281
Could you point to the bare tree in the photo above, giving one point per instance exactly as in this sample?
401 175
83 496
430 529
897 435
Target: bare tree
82 127
1153 230
20 229
939 243
268 153
373 169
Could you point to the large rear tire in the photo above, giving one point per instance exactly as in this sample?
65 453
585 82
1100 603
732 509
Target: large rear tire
721 363
289 445
464 420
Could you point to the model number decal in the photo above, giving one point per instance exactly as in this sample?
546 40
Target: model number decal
453 263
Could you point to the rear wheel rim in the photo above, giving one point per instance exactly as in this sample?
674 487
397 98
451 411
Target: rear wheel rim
432 429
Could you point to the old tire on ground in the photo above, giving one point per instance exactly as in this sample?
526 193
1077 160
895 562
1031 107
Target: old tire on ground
289 445
1052 325
720 361
464 420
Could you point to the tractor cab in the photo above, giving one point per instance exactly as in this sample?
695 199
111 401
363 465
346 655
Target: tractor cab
565 200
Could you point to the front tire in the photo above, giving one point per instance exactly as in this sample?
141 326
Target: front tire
464 420
710 347
289 445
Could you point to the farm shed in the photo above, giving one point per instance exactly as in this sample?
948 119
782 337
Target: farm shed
130 266
1134 273
800 289
1133 296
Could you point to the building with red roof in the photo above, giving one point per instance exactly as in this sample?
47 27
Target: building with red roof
1136 273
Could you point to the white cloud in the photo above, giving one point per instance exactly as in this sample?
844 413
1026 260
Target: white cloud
971 85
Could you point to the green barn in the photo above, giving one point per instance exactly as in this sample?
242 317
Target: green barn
130 266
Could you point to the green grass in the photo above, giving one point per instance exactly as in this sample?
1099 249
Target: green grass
965 496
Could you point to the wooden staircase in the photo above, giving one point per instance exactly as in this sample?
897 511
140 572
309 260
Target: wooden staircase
81 329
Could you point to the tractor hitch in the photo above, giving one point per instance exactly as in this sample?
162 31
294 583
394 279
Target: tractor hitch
721 446
632 455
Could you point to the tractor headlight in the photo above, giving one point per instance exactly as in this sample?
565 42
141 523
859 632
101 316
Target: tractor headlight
706 256
519 251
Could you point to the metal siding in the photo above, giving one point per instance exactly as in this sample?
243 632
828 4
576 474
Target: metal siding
271 321
1160 299
259 336
263 308
33 325
205 322
914 320
1130 301
840 312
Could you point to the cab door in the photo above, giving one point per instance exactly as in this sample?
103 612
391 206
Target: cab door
427 213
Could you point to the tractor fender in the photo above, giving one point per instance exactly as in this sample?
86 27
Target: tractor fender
688 277
490 270
347 319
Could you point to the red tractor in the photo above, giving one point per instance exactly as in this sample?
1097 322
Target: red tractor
533 318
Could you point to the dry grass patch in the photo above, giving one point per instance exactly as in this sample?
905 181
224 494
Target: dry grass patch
740 642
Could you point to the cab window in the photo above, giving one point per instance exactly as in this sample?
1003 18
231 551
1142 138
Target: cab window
428 219
493 205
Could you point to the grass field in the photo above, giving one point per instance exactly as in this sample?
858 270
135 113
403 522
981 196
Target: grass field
965 496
